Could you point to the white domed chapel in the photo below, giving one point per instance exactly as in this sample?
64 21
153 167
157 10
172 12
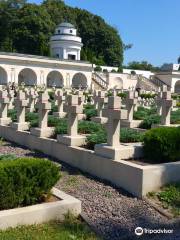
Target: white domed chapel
65 44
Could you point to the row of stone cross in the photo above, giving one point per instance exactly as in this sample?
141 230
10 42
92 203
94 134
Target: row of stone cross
109 111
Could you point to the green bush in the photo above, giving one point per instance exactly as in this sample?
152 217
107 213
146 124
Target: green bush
149 121
12 113
90 111
126 135
86 127
175 117
142 113
162 144
24 181
51 95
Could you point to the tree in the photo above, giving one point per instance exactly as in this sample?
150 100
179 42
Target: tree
29 27
144 65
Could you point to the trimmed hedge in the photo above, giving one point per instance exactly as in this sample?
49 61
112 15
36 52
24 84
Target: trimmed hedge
162 144
150 120
24 181
175 117
126 135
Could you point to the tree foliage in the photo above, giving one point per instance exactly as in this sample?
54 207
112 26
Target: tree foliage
26 28
144 65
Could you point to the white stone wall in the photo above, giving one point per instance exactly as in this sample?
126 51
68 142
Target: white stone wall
39 67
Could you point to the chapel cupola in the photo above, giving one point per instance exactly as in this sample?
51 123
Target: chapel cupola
65 44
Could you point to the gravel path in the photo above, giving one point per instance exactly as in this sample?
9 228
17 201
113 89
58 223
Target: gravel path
111 212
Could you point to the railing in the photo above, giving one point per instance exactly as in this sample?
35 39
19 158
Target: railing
147 82
99 80
156 80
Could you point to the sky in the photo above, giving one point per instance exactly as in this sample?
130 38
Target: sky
152 26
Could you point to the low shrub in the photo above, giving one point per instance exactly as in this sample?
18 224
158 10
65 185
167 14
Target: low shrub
175 117
86 127
7 157
149 121
142 113
12 113
24 181
162 144
126 135
90 112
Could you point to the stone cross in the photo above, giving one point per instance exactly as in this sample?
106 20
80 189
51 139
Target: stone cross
73 108
44 106
100 99
4 102
59 101
20 104
115 114
167 104
131 101
32 96
159 99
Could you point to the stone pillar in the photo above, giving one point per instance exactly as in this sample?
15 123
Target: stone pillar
20 105
4 102
73 109
100 101
44 106
59 101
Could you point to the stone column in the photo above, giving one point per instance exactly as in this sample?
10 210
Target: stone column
4 102
100 101
73 108
20 105
44 106
59 101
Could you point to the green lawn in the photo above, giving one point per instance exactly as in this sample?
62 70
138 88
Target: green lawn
72 229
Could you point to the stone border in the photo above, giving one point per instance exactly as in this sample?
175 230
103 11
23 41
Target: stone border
41 213
134 178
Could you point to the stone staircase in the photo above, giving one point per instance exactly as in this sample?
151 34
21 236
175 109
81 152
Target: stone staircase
159 82
146 83
99 82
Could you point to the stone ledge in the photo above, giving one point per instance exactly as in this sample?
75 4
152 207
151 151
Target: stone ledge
40 213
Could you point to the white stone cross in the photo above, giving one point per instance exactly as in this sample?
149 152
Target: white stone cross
131 101
59 101
20 105
4 102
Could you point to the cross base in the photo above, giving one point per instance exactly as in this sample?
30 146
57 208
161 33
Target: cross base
5 121
121 152
77 140
24 126
42 132
131 124
101 120
60 114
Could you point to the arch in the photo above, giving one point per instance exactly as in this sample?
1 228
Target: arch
118 83
3 76
28 76
79 80
55 79
177 87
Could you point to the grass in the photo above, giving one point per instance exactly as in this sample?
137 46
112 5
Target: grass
169 196
70 229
